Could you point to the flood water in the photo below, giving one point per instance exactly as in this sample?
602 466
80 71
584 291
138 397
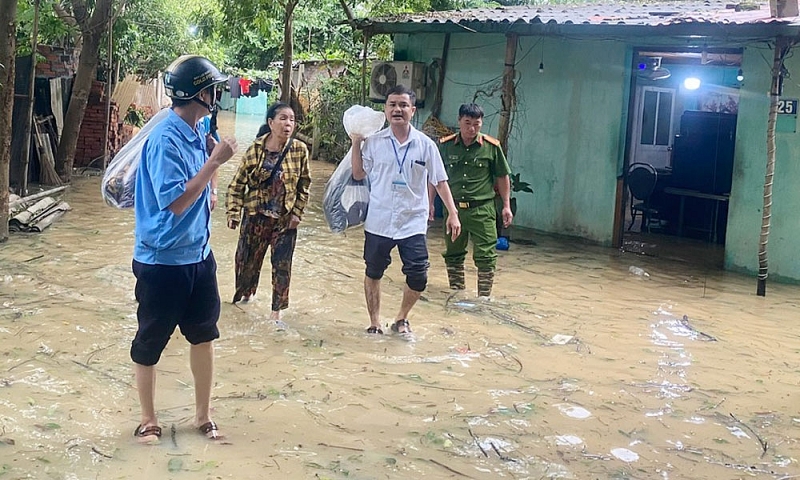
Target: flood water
576 369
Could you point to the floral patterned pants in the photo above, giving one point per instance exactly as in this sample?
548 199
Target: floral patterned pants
257 232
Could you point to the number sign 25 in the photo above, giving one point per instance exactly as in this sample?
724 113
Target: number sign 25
787 106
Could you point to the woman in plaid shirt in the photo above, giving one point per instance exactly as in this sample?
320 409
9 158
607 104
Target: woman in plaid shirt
267 196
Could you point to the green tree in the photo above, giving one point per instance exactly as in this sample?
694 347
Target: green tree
52 30
8 26
93 22
272 20
148 37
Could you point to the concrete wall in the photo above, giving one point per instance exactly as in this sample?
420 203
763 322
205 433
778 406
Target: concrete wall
744 217
568 132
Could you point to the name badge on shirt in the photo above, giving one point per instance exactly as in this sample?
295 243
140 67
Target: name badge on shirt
399 183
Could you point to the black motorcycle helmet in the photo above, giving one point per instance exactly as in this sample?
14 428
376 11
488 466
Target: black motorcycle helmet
189 75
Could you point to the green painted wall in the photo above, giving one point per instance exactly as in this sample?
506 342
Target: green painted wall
568 131
744 217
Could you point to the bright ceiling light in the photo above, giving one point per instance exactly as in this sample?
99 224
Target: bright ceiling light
739 75
691 83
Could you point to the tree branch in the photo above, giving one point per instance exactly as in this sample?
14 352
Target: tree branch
120 10
80 14
350 18
70 21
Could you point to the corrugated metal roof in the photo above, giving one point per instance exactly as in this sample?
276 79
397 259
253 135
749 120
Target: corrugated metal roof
655 14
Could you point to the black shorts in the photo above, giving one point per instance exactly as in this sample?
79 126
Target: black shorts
413 253
174 295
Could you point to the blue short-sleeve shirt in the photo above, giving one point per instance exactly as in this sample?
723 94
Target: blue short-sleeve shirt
173 154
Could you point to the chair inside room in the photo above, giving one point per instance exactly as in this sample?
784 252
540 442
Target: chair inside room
642 178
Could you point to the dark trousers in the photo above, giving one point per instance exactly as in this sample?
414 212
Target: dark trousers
258 232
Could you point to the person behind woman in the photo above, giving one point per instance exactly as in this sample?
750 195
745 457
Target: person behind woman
268 195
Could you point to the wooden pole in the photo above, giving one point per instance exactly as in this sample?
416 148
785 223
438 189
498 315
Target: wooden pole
781 48
8 47
26 139
364 73
509 97
436 110
288 52
109 90
315 131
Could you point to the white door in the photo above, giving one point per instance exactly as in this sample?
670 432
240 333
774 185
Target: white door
652 131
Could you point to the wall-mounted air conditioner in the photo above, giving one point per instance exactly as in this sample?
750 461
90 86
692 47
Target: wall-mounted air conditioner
386 75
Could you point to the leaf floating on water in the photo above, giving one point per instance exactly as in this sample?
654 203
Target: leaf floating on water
414 377
7 441
175 465
47 426
199 467
391 461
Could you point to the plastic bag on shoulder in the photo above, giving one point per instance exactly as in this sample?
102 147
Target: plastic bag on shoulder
119 182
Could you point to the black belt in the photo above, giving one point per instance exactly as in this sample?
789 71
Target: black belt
472 203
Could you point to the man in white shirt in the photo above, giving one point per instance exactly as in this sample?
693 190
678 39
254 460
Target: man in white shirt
400 162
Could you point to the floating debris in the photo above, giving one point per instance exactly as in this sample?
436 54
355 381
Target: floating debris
625 455
568 440
699 335
561 339
573 411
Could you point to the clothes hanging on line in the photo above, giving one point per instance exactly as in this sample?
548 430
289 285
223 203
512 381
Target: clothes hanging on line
233 86
244 83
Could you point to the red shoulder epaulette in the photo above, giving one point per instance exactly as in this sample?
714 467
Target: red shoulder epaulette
491 140
447 138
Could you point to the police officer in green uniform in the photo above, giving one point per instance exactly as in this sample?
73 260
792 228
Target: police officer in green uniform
475 165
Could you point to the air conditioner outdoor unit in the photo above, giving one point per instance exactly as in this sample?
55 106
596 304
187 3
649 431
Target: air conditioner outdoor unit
386 75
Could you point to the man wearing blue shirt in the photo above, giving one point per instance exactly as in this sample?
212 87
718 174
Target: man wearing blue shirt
176 282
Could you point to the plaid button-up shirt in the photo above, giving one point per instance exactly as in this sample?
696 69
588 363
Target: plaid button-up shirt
247 191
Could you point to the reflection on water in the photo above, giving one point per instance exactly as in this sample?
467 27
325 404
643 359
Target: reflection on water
577 368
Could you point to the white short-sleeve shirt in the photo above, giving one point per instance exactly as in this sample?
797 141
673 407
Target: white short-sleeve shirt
399 175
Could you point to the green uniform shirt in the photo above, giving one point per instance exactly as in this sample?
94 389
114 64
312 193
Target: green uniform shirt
472 169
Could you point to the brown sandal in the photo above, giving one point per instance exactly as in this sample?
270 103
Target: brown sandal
402 323
210 430
152 430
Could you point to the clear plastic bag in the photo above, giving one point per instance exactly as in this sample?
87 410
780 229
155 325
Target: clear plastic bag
345 200
362 120
119 182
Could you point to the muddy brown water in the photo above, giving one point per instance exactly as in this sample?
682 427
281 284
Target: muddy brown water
576 369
